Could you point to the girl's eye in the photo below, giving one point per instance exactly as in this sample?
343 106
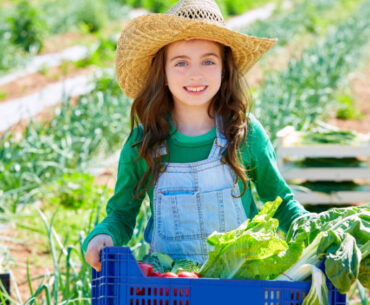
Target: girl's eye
180 64
209 62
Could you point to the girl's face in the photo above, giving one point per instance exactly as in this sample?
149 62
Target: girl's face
193 72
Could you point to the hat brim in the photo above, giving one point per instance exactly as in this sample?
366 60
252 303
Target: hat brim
144 36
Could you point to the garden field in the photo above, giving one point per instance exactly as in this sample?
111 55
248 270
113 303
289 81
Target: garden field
64 119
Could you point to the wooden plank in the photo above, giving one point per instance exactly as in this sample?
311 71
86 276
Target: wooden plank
342 197
326 173
324 151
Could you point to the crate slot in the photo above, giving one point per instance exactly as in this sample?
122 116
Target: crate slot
272 294
272 297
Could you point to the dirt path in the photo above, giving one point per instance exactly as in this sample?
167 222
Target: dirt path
35 82
26 252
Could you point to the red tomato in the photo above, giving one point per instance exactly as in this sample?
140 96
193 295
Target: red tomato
156 273
188 274
146 268
169 274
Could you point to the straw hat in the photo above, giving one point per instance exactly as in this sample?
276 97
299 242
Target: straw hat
144 36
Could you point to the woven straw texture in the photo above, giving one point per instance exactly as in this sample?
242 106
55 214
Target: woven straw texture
144 36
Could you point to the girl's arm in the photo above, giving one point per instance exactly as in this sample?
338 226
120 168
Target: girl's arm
121 208
267 178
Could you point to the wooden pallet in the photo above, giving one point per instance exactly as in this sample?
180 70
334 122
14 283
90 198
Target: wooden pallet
289 148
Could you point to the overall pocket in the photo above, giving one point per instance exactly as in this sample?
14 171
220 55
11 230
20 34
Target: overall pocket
177 216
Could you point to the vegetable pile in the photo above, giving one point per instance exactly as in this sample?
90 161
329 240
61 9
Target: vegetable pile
345 137
340 237
255 251
160 264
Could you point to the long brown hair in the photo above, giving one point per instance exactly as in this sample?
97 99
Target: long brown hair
154 102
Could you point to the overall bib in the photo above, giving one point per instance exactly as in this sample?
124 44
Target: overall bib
192 200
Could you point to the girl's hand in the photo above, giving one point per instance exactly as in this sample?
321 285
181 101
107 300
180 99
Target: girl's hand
94 247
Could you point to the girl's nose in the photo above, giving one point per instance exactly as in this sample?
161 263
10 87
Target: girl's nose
195 74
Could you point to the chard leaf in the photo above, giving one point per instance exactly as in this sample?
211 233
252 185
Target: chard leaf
318 294
364 273
342 261
353 220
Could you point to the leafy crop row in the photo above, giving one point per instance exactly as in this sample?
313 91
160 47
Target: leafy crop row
305 91
68 142
308 16
24 27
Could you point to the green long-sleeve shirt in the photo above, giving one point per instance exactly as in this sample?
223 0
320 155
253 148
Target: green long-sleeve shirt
257 154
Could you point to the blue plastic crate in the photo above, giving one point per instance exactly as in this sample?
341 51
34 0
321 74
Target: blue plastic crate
121 282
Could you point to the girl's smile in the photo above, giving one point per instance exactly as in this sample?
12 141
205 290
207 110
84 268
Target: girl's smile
195 89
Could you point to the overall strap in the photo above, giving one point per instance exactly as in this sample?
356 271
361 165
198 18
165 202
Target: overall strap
220 142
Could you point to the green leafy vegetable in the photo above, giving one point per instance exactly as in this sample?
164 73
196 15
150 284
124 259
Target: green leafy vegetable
245 251
185 265
160 261
307 257
342 261
351 228
364 274
329 136
318 294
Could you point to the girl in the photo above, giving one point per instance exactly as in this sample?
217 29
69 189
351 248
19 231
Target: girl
194 147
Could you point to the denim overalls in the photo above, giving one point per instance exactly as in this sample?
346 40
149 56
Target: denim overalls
192 200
